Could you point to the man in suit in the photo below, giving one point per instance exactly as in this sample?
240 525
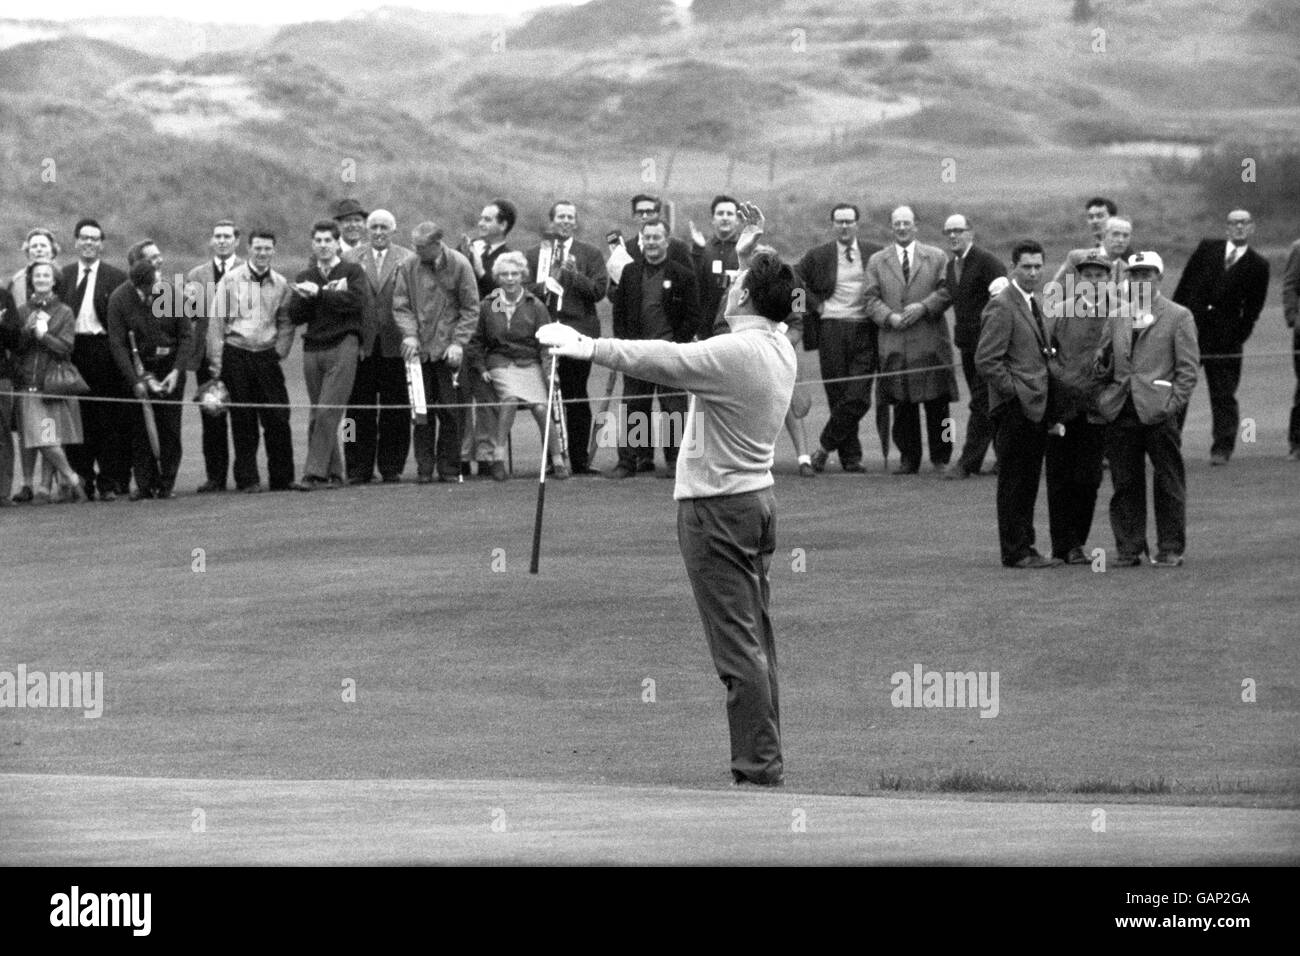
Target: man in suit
329 297
715 259
969 273
907 296
1098 211
200 289
161 332
105 426
1075 448
1147 366
574 283
1012 356
479 422
383 434
251 336
435 304
1291 314
1224 285
834 278
656 300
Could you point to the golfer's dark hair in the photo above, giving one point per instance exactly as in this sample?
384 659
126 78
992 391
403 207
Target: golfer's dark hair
261 233
142 274
1026 247
325 225
857 213
771 284
136 252
718 200
654 221
1111 207
550 215
506 213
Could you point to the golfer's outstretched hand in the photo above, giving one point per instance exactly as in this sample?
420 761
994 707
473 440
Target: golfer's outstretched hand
565 340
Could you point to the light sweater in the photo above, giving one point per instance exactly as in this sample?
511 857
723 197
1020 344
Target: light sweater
741 383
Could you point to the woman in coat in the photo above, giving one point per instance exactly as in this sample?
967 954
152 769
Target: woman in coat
39 246
505 352
46 332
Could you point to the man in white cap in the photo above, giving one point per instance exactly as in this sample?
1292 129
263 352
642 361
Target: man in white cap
1147 366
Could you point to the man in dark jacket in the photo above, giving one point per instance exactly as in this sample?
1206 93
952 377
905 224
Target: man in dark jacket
970 272
106 426
330 299
8 340
1224 285
656 299
161 331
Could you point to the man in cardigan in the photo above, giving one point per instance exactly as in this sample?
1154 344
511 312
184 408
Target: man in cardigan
329 298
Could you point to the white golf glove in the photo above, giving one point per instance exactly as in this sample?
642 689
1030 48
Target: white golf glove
565 340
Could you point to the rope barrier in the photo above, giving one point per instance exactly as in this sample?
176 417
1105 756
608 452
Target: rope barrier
567 401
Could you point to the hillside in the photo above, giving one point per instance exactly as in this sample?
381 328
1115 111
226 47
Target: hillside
798 103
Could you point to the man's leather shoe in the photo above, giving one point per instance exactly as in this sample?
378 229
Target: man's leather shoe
806 470
906 469
588 472
360 479
166 494
645 465
620 471
391 479
853 466
250 489
560 472
209 487
1036 561
310 483
1077 556
1127 561
108 495
24 495
424 479
1167 559
819 459
484 469
497 471
139 495
954 471
1218 459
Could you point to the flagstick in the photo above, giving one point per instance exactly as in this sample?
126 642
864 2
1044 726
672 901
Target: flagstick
541 478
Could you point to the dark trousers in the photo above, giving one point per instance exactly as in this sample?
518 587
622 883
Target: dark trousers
847 349
638 396
979 429
106 427
1021 445
1293 429
216 436
1127 448
1222 376
727 543
907 433
445 453
257 377
1073 477
383 436
6 437
158 475
572 375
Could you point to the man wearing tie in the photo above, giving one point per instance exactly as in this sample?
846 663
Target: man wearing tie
1099 210
576 281
200 289
834 277
381 434
1147 366
1224 285
715 260
1012 356
970 272
907 297
106 426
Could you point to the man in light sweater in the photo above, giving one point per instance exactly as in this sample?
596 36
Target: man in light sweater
740 386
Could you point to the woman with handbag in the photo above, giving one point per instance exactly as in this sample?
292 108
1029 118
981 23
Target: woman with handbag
47 330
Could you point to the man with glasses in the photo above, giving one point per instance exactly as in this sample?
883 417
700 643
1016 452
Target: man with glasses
644 208
834 277
1224 284
970 272
105 426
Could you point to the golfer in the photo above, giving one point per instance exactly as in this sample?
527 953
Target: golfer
740 387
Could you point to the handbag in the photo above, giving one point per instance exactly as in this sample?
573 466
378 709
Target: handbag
62 378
